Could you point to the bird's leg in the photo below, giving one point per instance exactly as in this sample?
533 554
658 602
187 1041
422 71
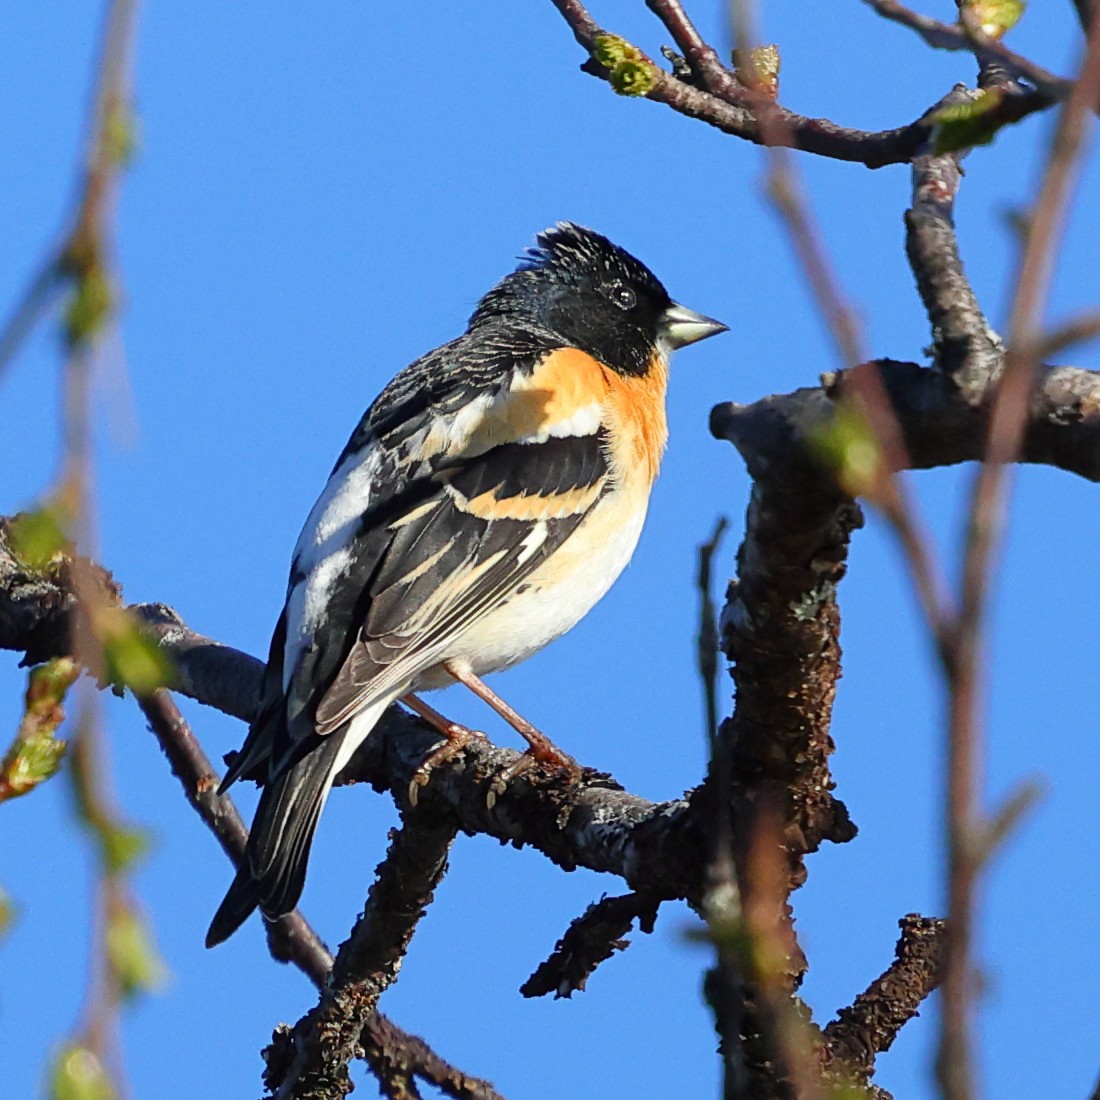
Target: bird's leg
458 737
542 748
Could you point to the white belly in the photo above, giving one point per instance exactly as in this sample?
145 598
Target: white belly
554 598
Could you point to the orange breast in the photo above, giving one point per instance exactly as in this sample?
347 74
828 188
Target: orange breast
638 422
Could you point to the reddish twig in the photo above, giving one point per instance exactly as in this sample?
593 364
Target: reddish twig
840 319
951 36
820 136
1077 330
699 54
988 503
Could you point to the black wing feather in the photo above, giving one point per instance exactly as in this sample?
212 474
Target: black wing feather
391 630
554 466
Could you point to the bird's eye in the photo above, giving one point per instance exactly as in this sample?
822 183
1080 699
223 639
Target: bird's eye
623 296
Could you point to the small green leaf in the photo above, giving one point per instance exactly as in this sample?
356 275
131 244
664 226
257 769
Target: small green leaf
759 69
131 954
119 135
964 125
633 77
36 754
77 1074
91 303
611 50
133 659
47 686
121 846
629 70
851 449
30 763
7 912
36 538
997 17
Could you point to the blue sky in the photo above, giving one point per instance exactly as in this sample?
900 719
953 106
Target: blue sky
317 199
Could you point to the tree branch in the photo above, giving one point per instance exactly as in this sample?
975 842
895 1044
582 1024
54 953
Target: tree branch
593 937
940 427
703 59
388 1049
780 629
587 823
869 1026
327 1038
951 36
290 939
820 136
966 348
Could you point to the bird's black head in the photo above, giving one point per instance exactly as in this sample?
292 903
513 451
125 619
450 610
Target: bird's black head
593 295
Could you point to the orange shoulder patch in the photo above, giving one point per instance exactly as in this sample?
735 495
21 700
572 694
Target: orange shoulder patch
563 395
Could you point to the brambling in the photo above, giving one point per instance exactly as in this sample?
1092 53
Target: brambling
487 499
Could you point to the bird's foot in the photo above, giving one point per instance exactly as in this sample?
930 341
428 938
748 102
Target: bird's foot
542 751
458 737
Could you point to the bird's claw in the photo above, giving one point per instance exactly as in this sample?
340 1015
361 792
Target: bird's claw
457 739
546 753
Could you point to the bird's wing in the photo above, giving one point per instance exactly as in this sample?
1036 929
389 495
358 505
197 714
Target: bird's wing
465 496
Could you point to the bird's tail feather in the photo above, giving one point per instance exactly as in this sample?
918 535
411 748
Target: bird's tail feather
241 898
274 868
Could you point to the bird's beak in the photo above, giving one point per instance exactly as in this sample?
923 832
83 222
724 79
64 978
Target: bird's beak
681 326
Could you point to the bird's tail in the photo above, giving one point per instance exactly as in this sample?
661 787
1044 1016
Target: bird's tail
274 868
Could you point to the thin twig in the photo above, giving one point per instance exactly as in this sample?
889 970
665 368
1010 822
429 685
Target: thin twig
784 190
950 36
114 908
290 939
820 136
35 304
724 984
861 382
397 1059
707 641
955 1059
1077 330
700 55
389 1050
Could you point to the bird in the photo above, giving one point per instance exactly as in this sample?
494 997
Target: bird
486 500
